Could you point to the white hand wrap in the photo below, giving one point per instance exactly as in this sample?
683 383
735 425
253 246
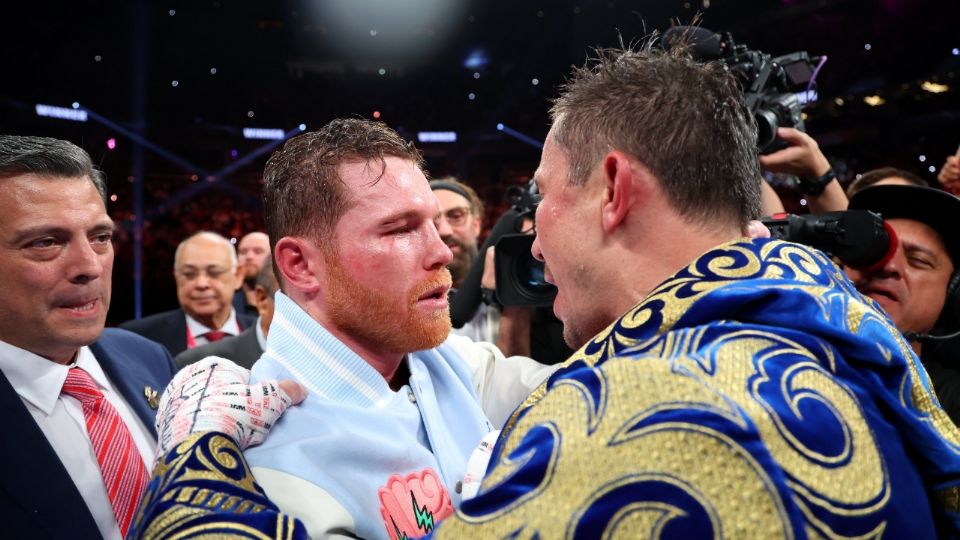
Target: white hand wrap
215 395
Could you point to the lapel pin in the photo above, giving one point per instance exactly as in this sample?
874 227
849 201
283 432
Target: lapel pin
153 397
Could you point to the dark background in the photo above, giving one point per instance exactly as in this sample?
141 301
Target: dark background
279 64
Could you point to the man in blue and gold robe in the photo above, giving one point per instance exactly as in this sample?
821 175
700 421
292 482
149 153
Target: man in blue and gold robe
723 387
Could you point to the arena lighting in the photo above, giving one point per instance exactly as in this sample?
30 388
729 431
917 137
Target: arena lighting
934 88
263 133
519 136
806 97
874 101
477 58
437 136
63 113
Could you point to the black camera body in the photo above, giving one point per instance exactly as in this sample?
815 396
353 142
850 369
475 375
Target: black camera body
520 279
770 91
858 238
770 84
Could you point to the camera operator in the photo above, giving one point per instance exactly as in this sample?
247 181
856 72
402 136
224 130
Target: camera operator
914 286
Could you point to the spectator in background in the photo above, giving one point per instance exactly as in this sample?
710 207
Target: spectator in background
461 220
253 251
246 348
206 273
78 401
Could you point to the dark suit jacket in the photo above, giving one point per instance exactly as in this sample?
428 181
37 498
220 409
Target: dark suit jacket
243 350
169 328
240 304
37 497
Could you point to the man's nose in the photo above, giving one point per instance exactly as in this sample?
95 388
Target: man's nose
85 263
535 249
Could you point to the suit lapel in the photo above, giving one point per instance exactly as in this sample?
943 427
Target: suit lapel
130 377
34 475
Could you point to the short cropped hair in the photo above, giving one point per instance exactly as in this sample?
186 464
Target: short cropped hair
476 205
44 156
303 194
871 177
685 120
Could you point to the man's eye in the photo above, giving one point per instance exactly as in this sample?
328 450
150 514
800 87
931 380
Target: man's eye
103 238
43 243
920 262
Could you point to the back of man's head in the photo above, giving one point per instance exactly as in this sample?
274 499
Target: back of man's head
303 194
44 156
685 120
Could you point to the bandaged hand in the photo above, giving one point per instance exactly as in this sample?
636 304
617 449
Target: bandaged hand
215 395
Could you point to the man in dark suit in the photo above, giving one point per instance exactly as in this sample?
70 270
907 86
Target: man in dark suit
79 402
206 271
246 348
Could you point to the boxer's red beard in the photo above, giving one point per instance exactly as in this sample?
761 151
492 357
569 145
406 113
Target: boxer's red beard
392 323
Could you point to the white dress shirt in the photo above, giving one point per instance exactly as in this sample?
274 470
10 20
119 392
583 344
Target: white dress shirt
39 382
197 329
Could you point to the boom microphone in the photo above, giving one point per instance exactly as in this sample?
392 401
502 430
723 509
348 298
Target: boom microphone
704 44
464 303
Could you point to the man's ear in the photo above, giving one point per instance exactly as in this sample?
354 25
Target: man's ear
300 263
621 178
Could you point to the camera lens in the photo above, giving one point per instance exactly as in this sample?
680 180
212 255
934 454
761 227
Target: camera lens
529 272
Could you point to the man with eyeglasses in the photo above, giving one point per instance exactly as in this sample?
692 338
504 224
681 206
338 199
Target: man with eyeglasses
460 227
461 222
207 274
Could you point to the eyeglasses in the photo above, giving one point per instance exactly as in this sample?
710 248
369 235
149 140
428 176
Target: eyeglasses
457 216
191 273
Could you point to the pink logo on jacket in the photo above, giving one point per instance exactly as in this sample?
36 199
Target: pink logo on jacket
411 506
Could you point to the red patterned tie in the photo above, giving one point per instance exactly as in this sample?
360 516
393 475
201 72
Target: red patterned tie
121 466
214 335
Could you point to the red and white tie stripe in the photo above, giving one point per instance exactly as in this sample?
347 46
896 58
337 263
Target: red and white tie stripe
121 466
